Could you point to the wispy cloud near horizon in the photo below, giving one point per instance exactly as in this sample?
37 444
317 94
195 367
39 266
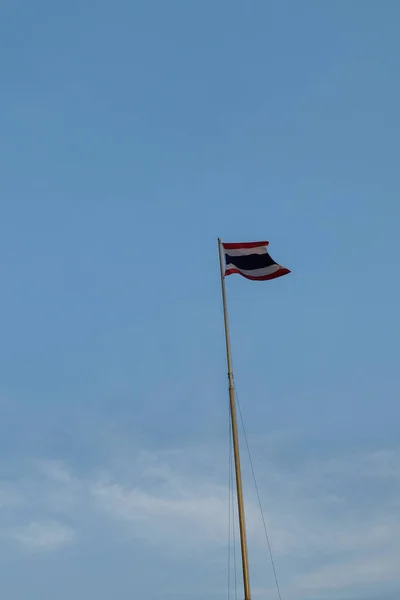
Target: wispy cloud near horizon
333 523
44 535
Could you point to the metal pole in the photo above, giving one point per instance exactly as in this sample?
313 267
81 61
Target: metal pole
235 437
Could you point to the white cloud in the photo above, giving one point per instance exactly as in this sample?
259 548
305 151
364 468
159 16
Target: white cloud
44 535
333 523
334 577
55 470
189 515
338 519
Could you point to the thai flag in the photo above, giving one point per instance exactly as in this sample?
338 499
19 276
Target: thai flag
251 260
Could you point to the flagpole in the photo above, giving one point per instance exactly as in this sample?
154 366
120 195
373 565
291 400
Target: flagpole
235 436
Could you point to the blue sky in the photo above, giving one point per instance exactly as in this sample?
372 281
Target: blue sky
133 134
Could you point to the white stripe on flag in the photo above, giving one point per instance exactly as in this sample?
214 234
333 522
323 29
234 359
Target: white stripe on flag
256 272
246 251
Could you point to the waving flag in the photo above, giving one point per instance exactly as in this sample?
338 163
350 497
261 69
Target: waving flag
251 260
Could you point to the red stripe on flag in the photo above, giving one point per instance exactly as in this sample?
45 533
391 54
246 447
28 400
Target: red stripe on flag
239 245
278 273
